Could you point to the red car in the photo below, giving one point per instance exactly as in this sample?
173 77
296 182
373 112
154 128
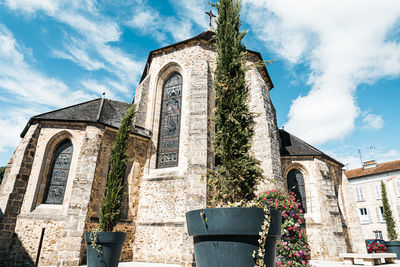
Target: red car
376 246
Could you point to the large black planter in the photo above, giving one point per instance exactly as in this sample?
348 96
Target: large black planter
228 236
110 246
393 247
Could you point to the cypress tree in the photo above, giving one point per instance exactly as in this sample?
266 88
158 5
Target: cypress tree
110 213
387 214
235 178
2 171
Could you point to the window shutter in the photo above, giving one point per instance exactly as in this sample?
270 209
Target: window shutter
398 188
368 215
378 214
378 191
359 214
359 194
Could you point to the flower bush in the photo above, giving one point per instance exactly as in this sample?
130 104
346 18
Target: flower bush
292 248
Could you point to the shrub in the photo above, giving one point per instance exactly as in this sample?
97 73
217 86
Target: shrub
292 248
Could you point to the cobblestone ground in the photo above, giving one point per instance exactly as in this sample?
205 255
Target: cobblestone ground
316 263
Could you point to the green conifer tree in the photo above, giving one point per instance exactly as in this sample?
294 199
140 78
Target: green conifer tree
110 212
387 214
2 171
235 178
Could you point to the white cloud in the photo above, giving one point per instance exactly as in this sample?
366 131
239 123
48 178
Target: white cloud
77 51
151 22
350 156
390 155
10 138
343 44
27 83
31 6
99 89
372 121
89 44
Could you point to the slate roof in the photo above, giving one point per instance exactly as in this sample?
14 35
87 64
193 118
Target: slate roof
380 168
104 111
291 145
208 37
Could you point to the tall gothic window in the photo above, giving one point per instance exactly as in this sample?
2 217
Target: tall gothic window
295 184
58 173
168 139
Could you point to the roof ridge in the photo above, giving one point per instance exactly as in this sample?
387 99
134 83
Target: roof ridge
378 165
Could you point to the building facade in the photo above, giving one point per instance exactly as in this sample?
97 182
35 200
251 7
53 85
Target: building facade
366 186
56 177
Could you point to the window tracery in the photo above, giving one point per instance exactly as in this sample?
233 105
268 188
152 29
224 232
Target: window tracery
168 141
295 182
58 173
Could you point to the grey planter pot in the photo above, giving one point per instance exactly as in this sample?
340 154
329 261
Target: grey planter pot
393 247
228 236
110 248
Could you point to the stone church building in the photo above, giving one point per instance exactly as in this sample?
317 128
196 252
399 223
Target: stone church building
54 182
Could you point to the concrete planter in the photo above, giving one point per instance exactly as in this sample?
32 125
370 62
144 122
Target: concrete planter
393 247
228 236
110 247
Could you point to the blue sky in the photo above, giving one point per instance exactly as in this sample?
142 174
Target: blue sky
336 76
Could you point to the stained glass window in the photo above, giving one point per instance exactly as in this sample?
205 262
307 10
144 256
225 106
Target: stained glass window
168 140
295 184
58 174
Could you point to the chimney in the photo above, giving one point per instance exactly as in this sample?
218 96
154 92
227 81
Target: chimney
369 164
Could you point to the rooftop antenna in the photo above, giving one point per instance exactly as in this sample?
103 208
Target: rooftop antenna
104 95
359 151
211 15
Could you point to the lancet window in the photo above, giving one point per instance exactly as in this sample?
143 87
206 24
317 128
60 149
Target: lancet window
170 119
58 173
295 182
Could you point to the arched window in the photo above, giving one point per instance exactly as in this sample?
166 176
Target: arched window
295 184
58 173
170 118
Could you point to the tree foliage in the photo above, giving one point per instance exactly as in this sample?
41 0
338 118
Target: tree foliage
235 178
2 171
111 212
387 214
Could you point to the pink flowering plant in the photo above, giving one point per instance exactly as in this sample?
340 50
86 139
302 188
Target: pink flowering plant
292 248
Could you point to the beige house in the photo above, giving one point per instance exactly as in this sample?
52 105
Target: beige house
56 177
366 186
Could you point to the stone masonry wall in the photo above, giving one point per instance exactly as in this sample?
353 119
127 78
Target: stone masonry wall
137 151
141 97
64 224
266 140
323 217
79 204
12 193
355 238
166 194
